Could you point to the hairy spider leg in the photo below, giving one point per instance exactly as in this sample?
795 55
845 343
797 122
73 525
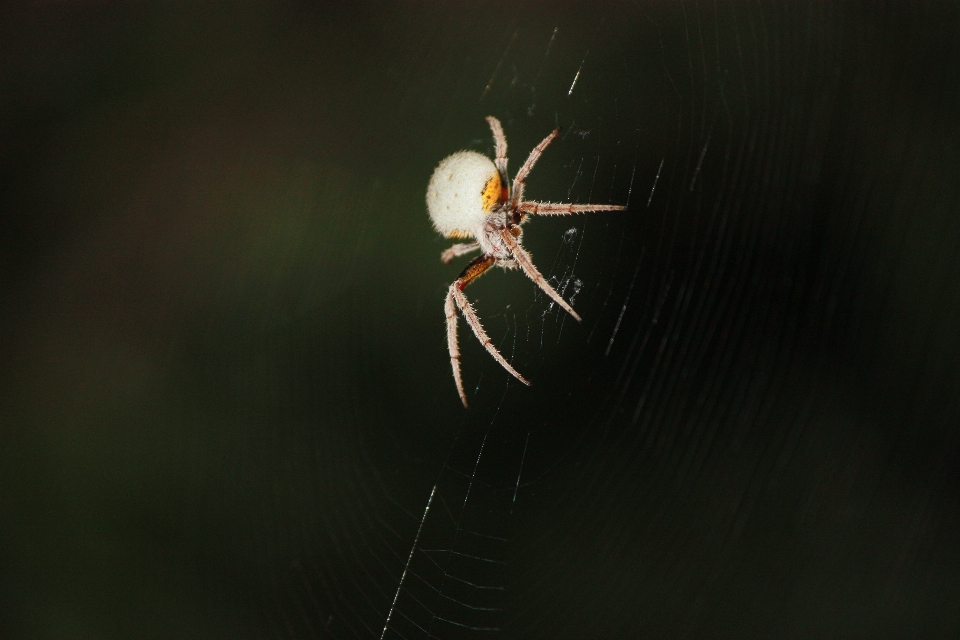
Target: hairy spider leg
500 142
451 312
457 250
523 259
476 268
455 295
518 185
560 209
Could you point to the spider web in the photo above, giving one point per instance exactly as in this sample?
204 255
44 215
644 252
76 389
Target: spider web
224 368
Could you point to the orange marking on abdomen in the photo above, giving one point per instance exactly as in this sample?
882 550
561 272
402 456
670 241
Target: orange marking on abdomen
491 192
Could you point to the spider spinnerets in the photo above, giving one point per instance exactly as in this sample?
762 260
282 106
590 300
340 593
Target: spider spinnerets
470 196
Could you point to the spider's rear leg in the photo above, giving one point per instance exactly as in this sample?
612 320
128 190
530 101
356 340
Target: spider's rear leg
457 250
455 295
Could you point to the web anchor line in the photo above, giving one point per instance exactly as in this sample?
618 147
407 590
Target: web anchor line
655 180
406 567
517 486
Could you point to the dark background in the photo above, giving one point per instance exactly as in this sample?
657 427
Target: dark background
225 397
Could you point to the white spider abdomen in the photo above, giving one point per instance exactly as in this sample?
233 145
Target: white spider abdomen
464 188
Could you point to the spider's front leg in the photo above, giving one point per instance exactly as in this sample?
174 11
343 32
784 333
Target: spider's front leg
456 296
526 264
500 141
562 209
518 180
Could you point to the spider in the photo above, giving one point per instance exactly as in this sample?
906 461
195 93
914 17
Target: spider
469 196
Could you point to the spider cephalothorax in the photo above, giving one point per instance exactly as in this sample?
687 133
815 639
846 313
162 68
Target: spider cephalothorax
470 196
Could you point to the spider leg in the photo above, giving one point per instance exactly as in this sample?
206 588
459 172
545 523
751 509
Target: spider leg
451 312
561 209
523 259
471 317
528 165
457 250
455 295
500 141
